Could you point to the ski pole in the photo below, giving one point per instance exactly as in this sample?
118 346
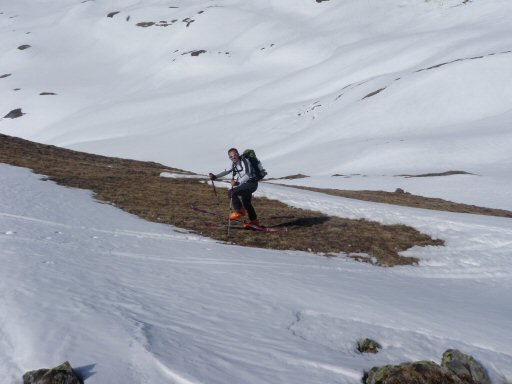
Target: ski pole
214 189
230 210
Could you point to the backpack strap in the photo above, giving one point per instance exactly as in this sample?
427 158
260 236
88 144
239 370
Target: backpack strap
249 169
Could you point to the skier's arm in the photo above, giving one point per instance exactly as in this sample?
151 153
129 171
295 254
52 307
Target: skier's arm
223 173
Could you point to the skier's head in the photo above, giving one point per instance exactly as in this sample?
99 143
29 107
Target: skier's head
233 154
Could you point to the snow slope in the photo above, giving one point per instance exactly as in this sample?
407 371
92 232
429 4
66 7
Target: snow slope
368 89
289 78
127 301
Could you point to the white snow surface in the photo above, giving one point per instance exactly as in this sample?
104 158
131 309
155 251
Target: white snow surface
366 89
288 78
127 301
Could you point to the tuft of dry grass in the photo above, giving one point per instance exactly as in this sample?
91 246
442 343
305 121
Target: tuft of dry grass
137 187
437 174
290 177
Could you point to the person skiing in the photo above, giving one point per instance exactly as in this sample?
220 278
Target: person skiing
243 185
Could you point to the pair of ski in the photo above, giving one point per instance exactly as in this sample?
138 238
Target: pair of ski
247 226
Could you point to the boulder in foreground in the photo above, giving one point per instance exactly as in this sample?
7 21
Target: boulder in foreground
456 368
63 374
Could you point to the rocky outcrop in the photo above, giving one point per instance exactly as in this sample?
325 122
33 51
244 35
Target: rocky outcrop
63 374
456 368
465 366
426 372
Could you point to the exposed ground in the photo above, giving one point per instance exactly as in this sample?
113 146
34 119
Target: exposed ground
137 187
400 197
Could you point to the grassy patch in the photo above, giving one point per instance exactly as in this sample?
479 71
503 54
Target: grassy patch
400 197
447 173
290 177
137 187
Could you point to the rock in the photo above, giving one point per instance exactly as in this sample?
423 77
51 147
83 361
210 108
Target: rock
456 368
145 24
197 53
465 367
425 372
63 374
14 114
368 346
23 47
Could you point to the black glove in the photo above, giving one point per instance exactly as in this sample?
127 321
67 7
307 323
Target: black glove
212 176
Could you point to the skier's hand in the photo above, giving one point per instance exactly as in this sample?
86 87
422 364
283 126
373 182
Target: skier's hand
233 183
212 176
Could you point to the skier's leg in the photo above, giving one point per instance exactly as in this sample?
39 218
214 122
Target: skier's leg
246 190
247 202
235 201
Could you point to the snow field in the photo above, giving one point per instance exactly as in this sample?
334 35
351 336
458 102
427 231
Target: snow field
287 78
368 89
143 302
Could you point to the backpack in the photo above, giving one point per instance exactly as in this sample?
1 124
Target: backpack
257 168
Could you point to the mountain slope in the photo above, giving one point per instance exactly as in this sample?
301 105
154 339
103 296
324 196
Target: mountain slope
319 88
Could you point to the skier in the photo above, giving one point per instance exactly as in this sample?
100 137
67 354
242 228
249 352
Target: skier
243 185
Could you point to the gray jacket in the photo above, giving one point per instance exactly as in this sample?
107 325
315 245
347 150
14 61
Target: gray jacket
241 170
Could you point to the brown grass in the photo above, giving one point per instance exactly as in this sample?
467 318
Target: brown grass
137 187
290 177
399 197
436 174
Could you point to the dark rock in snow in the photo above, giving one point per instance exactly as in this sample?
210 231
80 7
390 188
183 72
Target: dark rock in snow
145 24
194 53
373 93
47 93
4 76
14 114
63 374
188 20
112 14
23 47
197 53
368 346
465 366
